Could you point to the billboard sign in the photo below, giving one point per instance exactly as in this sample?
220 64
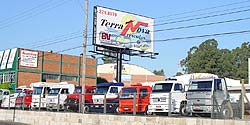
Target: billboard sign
119 29
5 59
28 58
11 58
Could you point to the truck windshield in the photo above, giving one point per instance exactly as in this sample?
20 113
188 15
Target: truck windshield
1 92
128 92
162 87
200 86
37 90
54 91
78 90
18 90
101 90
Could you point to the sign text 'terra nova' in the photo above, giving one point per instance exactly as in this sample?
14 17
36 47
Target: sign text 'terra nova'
123 30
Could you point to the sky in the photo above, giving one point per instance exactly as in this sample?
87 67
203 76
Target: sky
58 25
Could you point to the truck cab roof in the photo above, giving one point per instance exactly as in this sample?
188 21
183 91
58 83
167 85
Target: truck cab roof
109 84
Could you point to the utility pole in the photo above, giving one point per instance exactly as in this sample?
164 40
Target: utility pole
84 54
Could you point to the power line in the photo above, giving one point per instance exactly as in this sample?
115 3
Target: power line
202 14
204 24
205 9
204 17
26 11
201 36
30 16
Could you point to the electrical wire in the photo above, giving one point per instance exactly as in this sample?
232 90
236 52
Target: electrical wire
202 36
205 9
24 18
208 13
203 17
204 24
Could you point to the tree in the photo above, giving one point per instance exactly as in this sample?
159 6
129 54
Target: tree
101 80
159 72
207 58
178 74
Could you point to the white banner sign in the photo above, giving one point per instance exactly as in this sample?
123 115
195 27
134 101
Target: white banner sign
1 56
11 58
5 59
123 30
28 58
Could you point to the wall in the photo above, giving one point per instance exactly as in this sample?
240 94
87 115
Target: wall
55 118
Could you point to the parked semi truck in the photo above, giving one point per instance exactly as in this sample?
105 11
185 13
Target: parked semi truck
72 101
135 94
209 95
40 93
57 95
24 99
111 92
160 97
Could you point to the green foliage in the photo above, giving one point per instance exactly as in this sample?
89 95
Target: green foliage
5 85
178 74
207 58
159 72
101 80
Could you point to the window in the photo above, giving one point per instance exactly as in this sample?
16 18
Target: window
114 90
177 87
1 78
50 76
143 92
65 91
68 78
162 87
218 84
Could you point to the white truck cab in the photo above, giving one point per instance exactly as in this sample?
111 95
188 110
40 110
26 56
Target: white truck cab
208 94
57 95
111 90
40 90
159 98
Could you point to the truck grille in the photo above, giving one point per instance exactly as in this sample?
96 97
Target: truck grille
161 99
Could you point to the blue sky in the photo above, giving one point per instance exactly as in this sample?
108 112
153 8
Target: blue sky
30 24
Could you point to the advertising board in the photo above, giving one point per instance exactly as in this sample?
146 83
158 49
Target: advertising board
28 58
120 29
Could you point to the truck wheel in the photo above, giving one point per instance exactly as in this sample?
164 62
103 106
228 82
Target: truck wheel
183 109
226 110
86 109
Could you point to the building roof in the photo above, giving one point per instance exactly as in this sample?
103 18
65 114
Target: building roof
127 69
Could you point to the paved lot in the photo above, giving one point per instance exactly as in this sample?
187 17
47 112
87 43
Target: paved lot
11 123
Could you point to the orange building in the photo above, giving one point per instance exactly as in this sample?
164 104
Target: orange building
23 66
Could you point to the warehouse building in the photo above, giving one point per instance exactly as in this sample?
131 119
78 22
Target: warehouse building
23 66
130 73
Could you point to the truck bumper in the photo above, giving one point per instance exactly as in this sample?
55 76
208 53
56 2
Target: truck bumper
199 109
110 108
161 108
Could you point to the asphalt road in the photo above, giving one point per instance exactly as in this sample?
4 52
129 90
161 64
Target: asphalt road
11 123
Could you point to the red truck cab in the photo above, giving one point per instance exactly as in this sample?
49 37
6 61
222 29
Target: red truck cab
24 99
142 94
72 101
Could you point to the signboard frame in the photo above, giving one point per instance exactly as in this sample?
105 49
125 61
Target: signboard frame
29 58
135 32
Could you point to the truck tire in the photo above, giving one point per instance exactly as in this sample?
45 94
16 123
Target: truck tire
86 109
226 110
183 109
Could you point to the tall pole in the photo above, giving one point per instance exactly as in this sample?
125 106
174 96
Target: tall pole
84 53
